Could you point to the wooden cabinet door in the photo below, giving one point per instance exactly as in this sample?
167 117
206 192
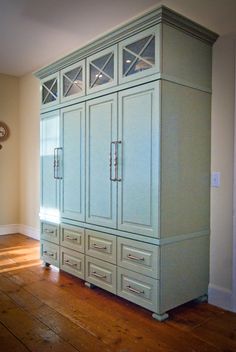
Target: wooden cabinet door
138 190
73 160
49 169
101 130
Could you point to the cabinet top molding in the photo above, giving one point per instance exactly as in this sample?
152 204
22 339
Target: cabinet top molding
161 14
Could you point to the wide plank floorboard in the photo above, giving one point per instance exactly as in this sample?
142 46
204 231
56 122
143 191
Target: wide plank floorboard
42 309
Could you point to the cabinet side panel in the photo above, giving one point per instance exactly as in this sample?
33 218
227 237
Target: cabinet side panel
185 175
184 272
186 58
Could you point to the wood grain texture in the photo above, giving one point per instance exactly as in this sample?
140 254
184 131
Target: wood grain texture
42 309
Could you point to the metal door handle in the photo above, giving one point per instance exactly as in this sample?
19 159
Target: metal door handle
57 164
54 163
99 247
130 256
134 290
48 231
48 254
70 264
116 157
98 275
110 162
71 238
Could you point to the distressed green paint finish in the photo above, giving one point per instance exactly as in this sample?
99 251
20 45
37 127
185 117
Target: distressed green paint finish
181 53
73 154
101 130
185 175
49 140
138 190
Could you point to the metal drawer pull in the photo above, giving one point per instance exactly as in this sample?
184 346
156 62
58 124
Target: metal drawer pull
71 238
130 256
69 263
48 254
98 275
134 290
99 247
48 231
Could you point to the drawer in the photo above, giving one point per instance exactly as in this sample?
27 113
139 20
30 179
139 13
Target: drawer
101 274
138 256
49 253
49 232
101 245
72 237
138 289
72 262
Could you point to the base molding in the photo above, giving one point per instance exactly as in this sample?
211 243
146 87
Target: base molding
20 228
220 297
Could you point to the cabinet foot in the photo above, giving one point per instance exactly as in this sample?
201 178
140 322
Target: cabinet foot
160 317
89 285
47 265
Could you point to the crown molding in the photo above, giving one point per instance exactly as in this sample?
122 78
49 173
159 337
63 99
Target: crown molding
159 15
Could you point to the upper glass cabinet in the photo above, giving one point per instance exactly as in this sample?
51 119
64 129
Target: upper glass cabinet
73 81
102 70
49 90
139 55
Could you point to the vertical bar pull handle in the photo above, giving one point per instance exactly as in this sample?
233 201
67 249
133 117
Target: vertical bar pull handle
54 163
59 164
110 162
117 163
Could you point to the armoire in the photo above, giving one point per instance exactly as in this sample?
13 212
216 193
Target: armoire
125 161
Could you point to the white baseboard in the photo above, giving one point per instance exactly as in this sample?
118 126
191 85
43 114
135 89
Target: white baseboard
20 228
29 231
9 229
220 297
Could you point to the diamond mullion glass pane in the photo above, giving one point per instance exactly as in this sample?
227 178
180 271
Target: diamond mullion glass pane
72 82
102 70
140 55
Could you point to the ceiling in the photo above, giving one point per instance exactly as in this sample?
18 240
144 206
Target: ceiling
34 33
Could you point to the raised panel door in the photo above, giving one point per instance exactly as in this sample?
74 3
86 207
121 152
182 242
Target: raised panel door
73 157
138 190
49 209
101 191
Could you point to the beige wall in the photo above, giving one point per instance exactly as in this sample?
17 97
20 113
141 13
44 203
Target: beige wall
29 99
9 154
222 161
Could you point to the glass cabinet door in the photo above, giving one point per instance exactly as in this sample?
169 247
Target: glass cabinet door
73 82
139 55
49 90
102 70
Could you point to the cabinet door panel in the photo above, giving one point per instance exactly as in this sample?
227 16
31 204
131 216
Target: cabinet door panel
49 183
139 157
73 140
101 130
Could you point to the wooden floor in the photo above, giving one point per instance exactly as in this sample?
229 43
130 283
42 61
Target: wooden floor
44 310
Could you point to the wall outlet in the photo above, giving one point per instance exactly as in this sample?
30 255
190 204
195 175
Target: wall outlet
215 179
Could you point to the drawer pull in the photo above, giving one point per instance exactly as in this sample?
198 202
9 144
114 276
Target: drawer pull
48 231
70 264
99 247
134 290
98 275
71 238
49 254
132 257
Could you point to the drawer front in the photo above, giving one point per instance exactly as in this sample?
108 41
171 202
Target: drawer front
49 253
72 237
49 232
138 256
72 262
101 246
139 289
101 274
